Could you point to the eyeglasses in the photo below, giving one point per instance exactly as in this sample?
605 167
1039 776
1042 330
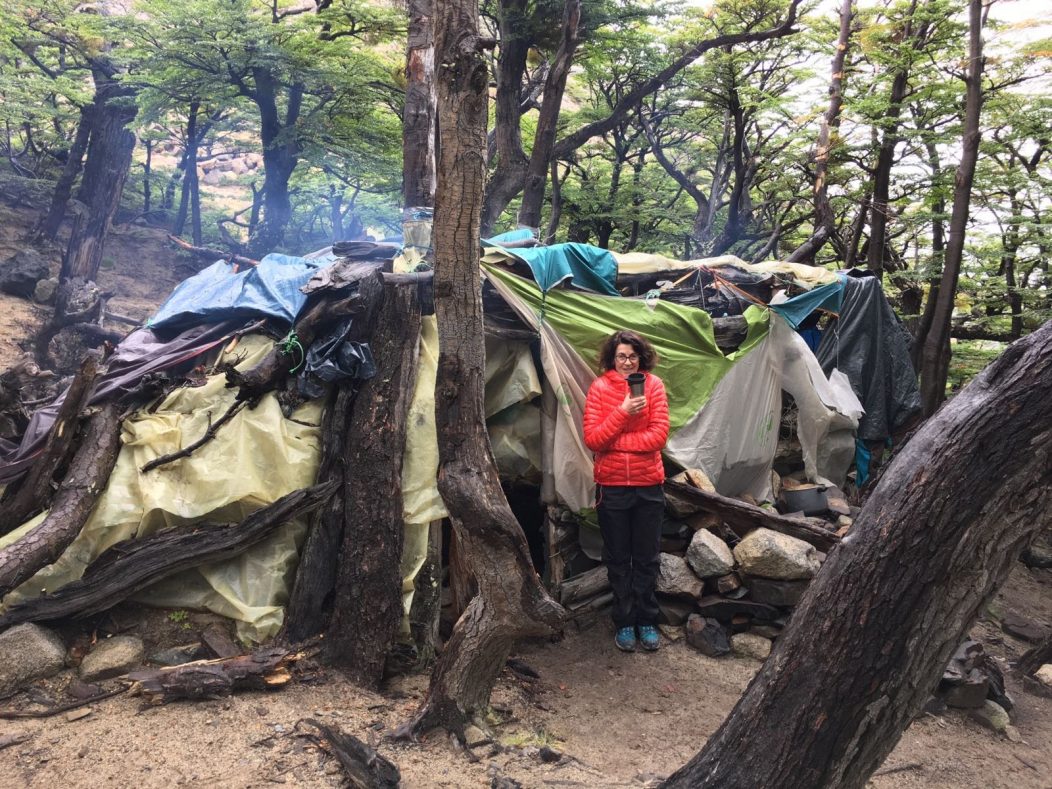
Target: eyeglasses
629 358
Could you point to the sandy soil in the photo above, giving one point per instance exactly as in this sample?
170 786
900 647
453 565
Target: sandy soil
620 720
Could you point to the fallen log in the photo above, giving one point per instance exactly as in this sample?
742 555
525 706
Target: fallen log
132 565
583 586
364 766
73 502
264 669
743 518
32 493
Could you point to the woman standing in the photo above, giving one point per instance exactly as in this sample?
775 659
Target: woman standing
627 433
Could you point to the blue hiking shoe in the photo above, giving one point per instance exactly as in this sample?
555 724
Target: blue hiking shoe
649 637
625 639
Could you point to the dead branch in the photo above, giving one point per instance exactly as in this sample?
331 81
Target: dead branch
212 254
264 669
364 766
132 565
33 492
10 714
189 449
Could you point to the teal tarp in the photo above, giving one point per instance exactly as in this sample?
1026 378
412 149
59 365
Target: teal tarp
824 297
587 267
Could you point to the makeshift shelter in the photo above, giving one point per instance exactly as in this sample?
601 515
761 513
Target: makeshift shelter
548 310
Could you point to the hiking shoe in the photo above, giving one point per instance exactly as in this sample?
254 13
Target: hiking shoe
625 639
649 637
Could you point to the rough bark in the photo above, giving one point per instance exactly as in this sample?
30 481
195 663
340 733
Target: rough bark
368 594
935 540
73 502
106 168
362 764
935 358
64 186
310 604
511 602
544 137
418 117
281 150
425 612
32 493
133 565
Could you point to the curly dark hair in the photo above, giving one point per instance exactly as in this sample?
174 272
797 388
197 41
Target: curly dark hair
648 357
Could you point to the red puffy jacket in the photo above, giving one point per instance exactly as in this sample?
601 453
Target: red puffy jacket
627 448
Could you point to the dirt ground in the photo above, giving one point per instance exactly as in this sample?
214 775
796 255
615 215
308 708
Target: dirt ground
619 720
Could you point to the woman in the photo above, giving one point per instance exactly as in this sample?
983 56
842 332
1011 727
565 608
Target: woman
627 433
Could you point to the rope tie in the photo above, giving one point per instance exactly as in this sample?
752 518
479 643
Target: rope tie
289 343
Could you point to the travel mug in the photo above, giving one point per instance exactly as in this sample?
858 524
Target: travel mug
635 384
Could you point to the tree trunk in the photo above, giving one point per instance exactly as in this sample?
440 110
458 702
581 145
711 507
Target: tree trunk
418 117
425 612
938 252
511 602
544 137
280 157
64 187
825 224
875 629
108 162
148 144
368 596
935 358
73 502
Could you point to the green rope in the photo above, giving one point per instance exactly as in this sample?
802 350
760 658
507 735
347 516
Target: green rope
289 343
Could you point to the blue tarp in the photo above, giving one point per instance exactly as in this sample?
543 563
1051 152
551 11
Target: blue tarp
826 297
270 289
587 267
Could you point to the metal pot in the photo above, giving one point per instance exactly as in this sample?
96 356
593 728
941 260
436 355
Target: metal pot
810 501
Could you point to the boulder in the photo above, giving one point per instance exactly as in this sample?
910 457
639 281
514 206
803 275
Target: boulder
112 657
28 652
673 611
768 554
1039 553
707 636
1025 629
21 272
676 578
725 610
780 593
970 693
709 556
991 715
750 645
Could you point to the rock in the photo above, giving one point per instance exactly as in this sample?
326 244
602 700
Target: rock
21 272
969 694
781 593
474 736
726 584
76 715
1025 629
672 611
708 555
696 478
677 579
750 645
766 631
28 652
1039 553
1012 733
724 610
934 706
1044 675
703 520
44 292
768 554
707 636
112 658
671 632
176 656
991 715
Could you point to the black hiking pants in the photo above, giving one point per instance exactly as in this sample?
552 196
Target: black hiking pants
630 522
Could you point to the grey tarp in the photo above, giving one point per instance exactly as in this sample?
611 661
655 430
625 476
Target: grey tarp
869 345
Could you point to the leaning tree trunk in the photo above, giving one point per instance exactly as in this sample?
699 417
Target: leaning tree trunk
511 602
874 631
418 117
108 162
368 594
64 186
935 358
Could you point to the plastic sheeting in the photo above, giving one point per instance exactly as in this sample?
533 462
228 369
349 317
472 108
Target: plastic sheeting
871 347
587 267
255 459
220 292
643 263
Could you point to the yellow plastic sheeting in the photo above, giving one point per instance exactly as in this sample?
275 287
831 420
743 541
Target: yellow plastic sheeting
421 503
511 377
255 459
642 263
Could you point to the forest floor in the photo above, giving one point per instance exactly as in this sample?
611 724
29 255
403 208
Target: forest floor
619 719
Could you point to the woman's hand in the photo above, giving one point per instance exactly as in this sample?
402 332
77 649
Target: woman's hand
633 405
